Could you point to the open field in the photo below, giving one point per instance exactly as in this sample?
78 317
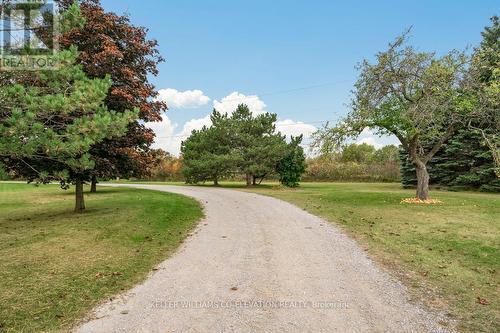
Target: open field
57 265
448 254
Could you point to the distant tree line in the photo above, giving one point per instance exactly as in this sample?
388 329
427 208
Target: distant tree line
241 143
356 162
165 167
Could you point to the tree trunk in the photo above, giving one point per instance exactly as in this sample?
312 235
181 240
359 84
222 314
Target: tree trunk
79 199
93 185
249 180
216 181
422 181
254 180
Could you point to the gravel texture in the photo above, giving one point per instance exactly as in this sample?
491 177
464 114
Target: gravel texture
258 264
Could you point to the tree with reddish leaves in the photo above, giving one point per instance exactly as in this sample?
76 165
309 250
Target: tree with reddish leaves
110 44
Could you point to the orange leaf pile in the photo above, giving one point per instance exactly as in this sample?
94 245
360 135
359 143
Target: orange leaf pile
421 202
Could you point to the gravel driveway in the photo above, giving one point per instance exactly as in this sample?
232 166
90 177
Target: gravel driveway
258 264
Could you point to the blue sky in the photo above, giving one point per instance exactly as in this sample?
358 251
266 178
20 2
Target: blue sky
297 57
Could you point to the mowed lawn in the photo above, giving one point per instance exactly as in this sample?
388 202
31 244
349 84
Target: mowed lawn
447 254
56 265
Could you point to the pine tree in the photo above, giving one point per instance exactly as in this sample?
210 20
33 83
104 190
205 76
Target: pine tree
50 127
109 44
241 143
258 147
207 153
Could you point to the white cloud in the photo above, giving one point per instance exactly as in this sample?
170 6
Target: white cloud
369 137
164 131
229 103
170 139
183 99
290 127
371 141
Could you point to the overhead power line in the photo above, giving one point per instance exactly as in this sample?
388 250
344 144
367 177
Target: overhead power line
283 125
279 92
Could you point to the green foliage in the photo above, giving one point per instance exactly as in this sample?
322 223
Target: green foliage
417 97
463 162
3 173
71 18
237 143
356 163
51 126
406 93
257 146
471 157
207 152
362 153
484 84
293 165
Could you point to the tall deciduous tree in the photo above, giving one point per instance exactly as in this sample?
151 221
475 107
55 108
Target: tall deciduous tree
415 96
50 127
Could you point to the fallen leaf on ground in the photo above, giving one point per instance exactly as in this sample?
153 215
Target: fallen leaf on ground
482 301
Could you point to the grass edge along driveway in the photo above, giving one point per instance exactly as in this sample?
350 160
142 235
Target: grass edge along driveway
448 254
57 265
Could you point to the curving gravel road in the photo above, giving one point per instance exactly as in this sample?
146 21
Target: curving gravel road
258 264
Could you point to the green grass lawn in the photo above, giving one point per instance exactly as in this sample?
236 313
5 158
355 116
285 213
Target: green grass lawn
447 254
56 265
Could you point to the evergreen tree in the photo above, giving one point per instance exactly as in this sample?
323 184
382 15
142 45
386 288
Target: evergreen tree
50 127
464 162
291 167
258 147
109 44
241 143
484 84
207 153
